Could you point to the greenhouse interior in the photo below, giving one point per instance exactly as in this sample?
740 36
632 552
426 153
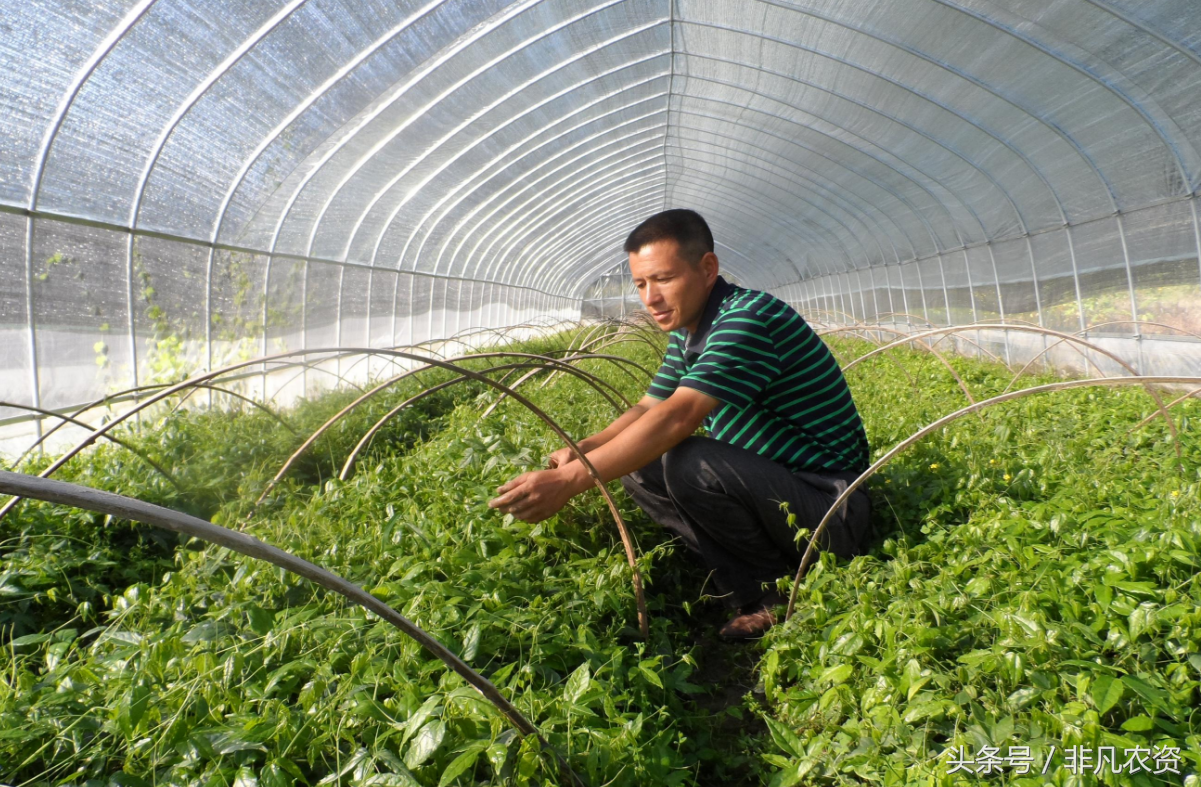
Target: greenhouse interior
293 292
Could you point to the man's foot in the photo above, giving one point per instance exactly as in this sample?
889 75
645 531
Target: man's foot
754 619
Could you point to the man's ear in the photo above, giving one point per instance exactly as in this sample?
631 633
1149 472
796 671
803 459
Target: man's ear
710 267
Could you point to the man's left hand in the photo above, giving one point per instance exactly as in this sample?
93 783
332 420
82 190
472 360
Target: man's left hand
532 497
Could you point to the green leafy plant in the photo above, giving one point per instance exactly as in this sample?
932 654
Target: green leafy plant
1033 582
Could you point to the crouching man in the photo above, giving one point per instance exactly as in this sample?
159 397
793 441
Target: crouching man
783 428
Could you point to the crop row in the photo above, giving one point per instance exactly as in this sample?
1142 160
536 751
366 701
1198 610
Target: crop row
1033 583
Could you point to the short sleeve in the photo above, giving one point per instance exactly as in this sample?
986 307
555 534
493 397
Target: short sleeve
669 374
738 362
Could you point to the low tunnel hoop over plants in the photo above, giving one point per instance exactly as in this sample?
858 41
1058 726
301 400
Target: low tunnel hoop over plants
64 493
811 550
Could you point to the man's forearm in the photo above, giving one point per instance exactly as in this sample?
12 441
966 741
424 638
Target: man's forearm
619 424
644 439
638 436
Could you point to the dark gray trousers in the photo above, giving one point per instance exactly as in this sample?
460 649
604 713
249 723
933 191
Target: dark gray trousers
724 504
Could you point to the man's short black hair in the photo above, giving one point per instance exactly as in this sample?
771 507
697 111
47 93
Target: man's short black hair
685 227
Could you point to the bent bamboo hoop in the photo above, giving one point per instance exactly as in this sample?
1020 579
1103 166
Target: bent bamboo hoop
609 340
841 316
567 360
204 377
596 382
166 390
67 419
534 369
1093 328
242 397
1046 332
155 398
811 549
626 540
509 368
130 508
621 335
306 366
878 342
370 433
962 385
131 393
620 338
935 344
1171 404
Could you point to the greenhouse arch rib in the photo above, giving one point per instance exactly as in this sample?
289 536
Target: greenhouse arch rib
498 257
60 113
919 213
859 212
808 185
555 232
1135 23
110 41
309 101
569 240
607 131
752 197
423 72
967 77
837 125
1156 123
809 151
532 81
616 227
646 162
581 232
908 89
505 224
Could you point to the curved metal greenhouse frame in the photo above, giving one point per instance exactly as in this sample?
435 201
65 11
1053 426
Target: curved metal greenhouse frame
442 167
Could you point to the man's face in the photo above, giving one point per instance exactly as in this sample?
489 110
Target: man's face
673 289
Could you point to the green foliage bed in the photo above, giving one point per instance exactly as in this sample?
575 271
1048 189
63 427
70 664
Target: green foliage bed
1034 583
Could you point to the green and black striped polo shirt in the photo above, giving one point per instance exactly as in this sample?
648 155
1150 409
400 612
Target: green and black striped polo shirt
780 390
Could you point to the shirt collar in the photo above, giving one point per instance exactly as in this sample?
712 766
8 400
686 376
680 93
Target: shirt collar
695 342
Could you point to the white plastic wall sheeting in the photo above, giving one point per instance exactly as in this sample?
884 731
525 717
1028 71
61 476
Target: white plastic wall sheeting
1132 275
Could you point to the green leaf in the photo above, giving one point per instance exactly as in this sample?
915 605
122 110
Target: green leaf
205 632
785 738
275 776
787 778
471 642
1152 696
579 681
1138 724
245 778
1141 619
649 673
232 741
836 675
419 718
392 780
425 743
261 619
1106 692
29 639
461 764
347 766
